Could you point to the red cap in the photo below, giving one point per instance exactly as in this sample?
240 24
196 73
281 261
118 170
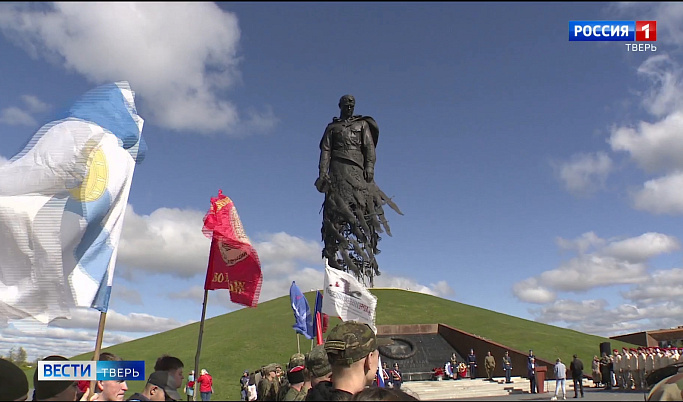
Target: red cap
296 369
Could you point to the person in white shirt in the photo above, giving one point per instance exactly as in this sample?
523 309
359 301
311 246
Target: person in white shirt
618 367
627 366
658 359
560 379
640 369
649 362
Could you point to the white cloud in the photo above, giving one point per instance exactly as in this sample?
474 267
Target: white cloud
57 341
170 241
530 291
662 195
87 318
595 316
581 244
281 253
570 310
665 94
439 289
643 247
177 56
442 288
34 104
586 272
193 293
658 146
592 316
664 286
652 301
166 241
654 146
14 116
611 262
278 285
585 174
130 296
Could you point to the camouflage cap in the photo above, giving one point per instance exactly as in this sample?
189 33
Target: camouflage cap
296 360
349 342
317 362
269 368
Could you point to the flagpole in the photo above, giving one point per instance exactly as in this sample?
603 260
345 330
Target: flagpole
199 344
98 346
298 348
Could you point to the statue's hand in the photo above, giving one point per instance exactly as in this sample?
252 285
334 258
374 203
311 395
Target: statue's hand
369 175
322 184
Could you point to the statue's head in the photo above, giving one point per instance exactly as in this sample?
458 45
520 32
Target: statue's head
347 100
346 105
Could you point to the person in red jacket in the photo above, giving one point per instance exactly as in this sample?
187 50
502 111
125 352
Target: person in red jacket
205 385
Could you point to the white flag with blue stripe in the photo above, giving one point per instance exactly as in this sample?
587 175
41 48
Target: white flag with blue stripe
62 201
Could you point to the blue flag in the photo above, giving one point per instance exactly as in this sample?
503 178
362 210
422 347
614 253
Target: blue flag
302 313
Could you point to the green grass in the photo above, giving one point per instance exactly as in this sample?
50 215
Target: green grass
250 338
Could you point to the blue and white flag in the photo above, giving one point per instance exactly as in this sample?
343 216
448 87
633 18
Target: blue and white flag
62 201
302 313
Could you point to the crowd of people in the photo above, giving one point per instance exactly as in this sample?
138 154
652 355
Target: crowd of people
345 367
629 369
455 370
468 369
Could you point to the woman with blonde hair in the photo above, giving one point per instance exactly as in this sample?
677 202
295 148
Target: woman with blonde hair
205 385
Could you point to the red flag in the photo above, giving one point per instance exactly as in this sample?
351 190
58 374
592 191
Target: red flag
318 329
233 262
326 322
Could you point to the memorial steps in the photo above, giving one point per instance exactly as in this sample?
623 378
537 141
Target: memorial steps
479 388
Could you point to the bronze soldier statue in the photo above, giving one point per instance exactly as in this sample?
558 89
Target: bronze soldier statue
353 214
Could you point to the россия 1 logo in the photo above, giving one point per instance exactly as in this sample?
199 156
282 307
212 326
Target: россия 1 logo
609 31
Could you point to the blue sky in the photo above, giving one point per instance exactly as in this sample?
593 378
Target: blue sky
538 177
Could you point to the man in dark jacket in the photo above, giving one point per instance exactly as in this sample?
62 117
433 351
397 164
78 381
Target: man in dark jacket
472 362
531 374
605 370
396 377
576 368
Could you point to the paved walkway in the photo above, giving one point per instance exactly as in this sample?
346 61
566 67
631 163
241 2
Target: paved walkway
477 390
591 394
